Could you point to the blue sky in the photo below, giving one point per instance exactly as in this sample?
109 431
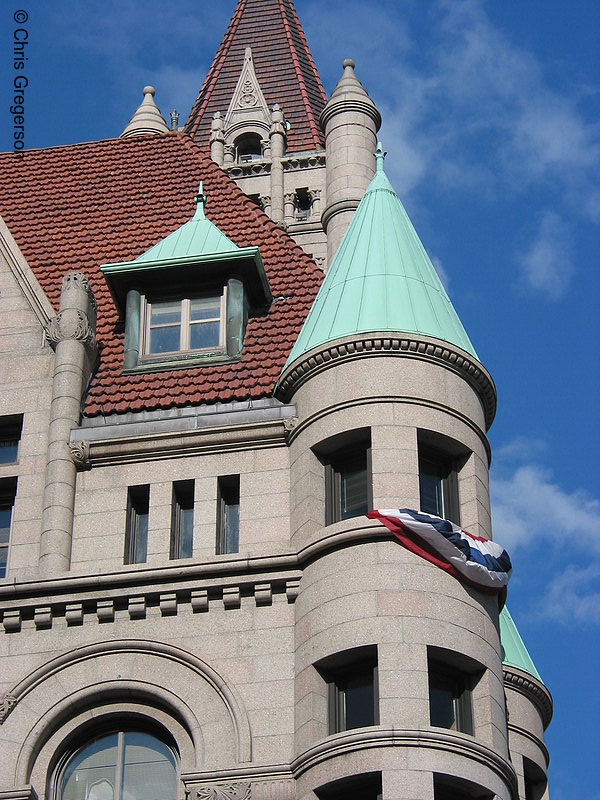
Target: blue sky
491 126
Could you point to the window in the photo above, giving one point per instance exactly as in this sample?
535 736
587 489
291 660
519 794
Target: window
120 766
352 690
228 514
182 520
438 484
136 533
10 435
366 787
8 491
184 325
248 148
303 204
534 779
449 787
348 484
449 698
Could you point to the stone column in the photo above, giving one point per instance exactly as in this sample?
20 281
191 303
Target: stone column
288 205
72 335
315 210
228 155
350 121
277 137
217 139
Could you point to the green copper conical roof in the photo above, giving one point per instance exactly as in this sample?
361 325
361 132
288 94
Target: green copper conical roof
514 652
381 279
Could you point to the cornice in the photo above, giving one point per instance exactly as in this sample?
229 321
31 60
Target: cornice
403 345
533 689
435 739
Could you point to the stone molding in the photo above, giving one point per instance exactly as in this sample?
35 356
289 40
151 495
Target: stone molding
225 791
80 454
248 170
20 793
534 690
70 324
293 163
343 104
516 730
178 443
337 208
404 345
458 744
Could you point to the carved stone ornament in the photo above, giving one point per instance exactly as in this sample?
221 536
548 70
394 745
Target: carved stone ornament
290 423
227 791
80 454
70 324
76 280
7 703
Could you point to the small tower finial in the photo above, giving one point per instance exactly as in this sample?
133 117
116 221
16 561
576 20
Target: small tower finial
380 157
200 200
174 119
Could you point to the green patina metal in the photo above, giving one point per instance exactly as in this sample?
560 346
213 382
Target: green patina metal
381 279
197 251
514 652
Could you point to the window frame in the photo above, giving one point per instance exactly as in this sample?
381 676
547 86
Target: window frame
138 510
228 497
8 494
437 464
337 693
182 502
105 732
335 465
11 428
185 324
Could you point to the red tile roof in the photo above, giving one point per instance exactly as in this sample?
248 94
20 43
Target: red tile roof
80 206
284 67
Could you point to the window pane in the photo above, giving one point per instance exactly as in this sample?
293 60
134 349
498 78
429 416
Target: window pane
232 528
165 313
148 769
204 335
359 700
431 493
441 706
5 515
186 532
140 533
165 340
353 487
9 450
3 561
91 773
202 308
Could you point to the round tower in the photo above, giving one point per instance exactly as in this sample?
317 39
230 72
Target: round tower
350 121
399 683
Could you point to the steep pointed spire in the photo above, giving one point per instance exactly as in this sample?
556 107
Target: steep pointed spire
381 279
284 68
514 652
147 118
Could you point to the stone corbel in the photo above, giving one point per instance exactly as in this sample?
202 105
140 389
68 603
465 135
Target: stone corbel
70 324
80 454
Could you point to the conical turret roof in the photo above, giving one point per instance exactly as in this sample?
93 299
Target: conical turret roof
284 68
147 118
514 652
381 279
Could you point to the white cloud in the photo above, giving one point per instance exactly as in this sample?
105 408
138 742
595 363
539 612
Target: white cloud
546 267
573 596
441 272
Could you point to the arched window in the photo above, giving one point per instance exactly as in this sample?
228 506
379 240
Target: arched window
122 765
248 148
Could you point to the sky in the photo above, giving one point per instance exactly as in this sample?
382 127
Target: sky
491 125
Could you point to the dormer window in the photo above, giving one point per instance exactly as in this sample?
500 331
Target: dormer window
185 324
186 301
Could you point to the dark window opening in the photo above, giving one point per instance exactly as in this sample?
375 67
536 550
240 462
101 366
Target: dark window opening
8 491
352 689
303 204
136 533
452 678
438 484
248 148
348 483
182 520
10 435
366 786
228 514
448 787
535 780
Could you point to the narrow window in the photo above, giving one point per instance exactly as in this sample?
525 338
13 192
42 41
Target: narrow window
450 698
352 689
136 533
366 786
348 484
303 204
228 514
10 435
248 148
438 484
182 520
8 491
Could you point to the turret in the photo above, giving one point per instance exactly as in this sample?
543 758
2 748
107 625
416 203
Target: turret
147 118
350 121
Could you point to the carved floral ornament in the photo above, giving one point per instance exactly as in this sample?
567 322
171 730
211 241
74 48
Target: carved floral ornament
226 791
7 703
70 324
80 453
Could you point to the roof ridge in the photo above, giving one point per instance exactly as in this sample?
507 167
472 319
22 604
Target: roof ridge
286 26
215 68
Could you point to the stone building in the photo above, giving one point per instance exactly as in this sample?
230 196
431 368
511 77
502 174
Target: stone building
195 421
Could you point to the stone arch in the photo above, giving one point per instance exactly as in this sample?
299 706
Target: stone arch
128 676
